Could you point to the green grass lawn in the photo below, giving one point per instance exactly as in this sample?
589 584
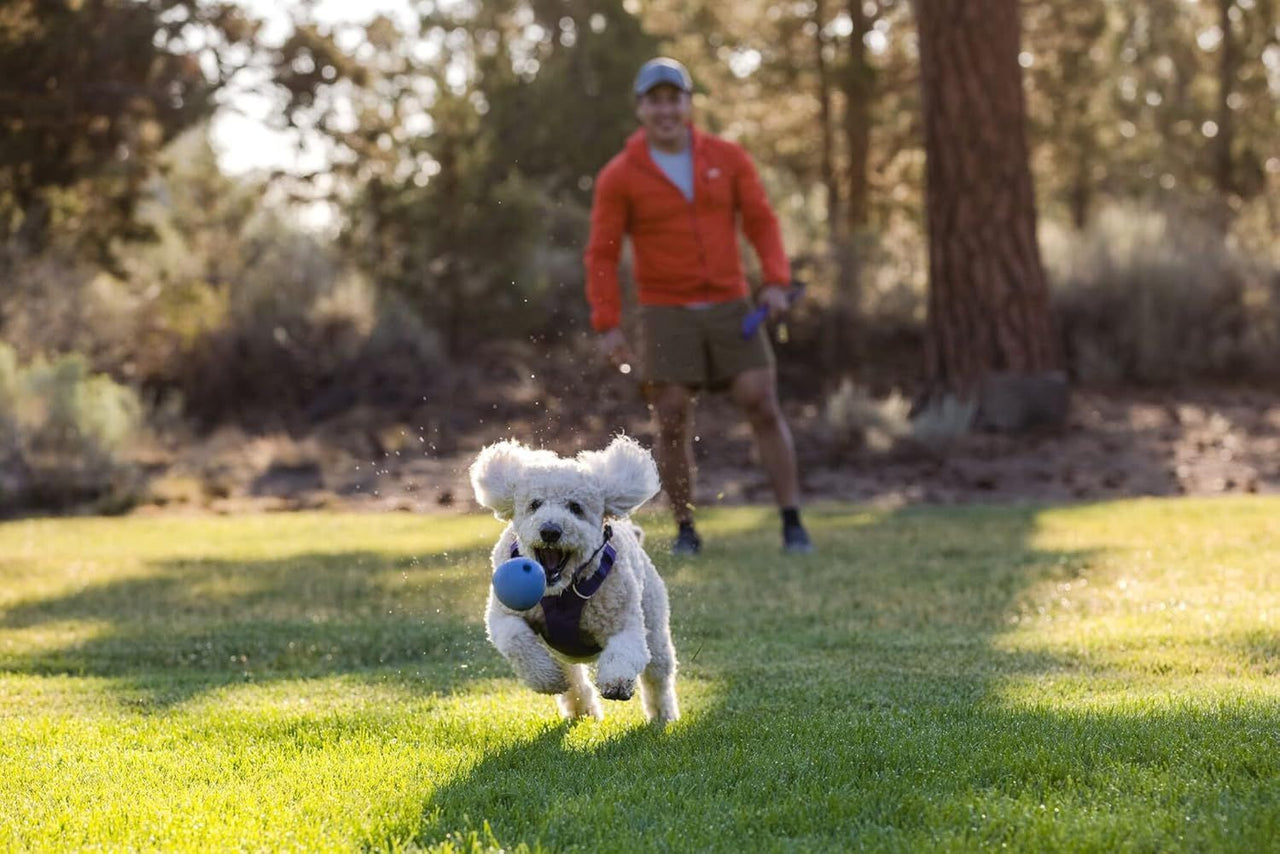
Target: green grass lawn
1102 677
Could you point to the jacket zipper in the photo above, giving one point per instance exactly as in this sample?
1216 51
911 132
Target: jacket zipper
693 214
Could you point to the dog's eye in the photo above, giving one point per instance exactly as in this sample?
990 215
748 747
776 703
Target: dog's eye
535 504
575 508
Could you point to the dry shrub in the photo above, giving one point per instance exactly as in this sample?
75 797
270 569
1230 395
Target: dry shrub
895 272
288 364
65 434
56 303
1147 297
942 421
292 336
856 420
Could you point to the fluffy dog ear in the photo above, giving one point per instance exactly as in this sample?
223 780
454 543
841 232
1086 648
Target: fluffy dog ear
494 476
627 474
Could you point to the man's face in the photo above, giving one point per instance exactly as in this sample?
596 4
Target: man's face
664 112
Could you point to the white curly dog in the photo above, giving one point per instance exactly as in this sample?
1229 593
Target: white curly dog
604 602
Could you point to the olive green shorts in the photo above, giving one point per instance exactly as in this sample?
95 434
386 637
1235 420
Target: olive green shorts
701 347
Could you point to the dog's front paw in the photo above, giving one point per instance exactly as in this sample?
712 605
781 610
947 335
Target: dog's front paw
618 689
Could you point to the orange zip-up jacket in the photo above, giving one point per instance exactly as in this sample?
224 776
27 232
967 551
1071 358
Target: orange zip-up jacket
685 251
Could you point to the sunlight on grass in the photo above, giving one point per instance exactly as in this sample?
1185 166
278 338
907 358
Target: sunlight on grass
307 763
938 678
1172 606
52 634
275 536
699 696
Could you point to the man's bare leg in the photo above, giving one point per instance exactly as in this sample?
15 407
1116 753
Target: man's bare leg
756 393
673 405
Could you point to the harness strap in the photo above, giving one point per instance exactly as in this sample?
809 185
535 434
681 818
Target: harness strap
563 629
563 613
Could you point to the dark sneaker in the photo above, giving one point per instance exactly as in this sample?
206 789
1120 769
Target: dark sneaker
687 541
795 539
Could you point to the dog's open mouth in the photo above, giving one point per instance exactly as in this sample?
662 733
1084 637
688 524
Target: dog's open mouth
553 561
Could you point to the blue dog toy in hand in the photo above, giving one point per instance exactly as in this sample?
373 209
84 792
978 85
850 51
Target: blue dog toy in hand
752 321
519 583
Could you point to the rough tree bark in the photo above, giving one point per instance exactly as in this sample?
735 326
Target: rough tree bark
989 339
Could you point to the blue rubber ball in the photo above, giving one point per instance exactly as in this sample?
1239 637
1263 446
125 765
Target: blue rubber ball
519 583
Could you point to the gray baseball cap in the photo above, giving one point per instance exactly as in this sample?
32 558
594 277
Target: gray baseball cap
662 70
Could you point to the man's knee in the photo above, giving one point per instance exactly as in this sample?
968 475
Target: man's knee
672 405
756 395
763 413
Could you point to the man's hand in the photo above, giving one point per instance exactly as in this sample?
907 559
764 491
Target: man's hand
776 298
613 346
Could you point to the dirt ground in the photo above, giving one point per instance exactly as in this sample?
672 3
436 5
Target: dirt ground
1202 441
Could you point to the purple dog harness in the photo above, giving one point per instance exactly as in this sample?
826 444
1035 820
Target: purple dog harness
563 613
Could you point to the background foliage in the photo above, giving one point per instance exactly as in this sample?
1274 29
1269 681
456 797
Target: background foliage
463 140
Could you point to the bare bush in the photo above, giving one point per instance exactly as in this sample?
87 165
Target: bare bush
857 420
1146 297
57 303
65 434
294 363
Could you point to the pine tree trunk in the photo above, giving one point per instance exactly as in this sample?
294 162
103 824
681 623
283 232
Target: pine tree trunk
847 225
836 332
840 320
859 91
1223 167
988 308
828 161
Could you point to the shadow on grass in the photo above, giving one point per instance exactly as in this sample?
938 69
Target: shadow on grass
189 626
908 778
859 701
857 697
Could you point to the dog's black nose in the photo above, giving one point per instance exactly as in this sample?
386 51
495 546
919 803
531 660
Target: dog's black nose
550 534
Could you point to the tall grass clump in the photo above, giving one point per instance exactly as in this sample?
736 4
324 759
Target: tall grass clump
1151 297
65 433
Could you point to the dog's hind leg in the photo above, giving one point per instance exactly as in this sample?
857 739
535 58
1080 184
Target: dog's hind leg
581 700
658 679
658 684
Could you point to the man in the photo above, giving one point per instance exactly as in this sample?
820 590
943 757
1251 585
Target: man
679 194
